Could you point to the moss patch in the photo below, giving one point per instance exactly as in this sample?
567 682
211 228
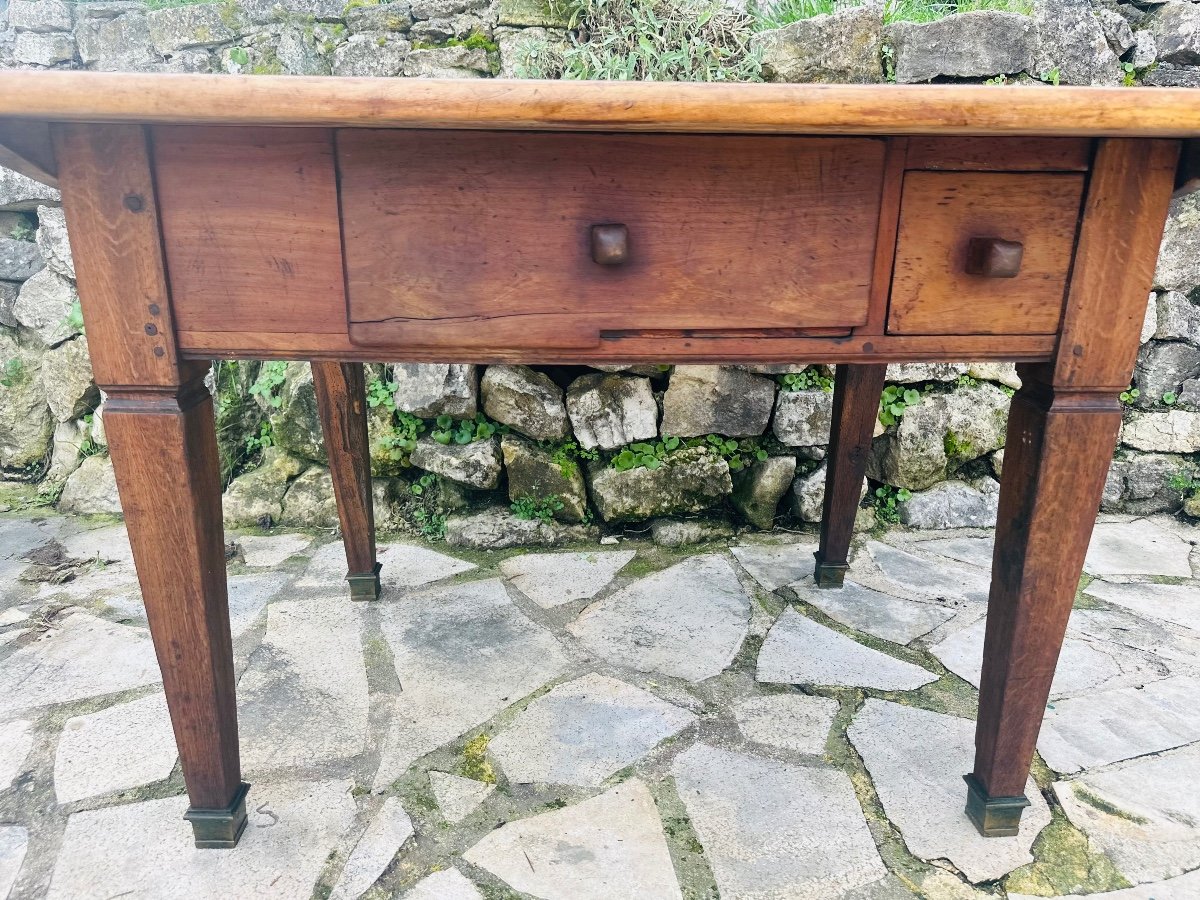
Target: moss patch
474 763
1064 863
1095 801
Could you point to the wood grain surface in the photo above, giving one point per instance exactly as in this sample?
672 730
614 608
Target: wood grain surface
342 406
1127 202
112 217
250 227
1057 453
599 105
1008 154
476 239
26 147
856 393
940 214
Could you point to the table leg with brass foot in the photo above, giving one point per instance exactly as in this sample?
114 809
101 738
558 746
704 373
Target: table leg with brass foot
162 439
1056 459
341 399
1062 428
855 407
164 451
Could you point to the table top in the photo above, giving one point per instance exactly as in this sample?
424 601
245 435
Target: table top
600 105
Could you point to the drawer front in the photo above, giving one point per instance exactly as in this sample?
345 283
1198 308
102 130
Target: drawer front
534 240
957 270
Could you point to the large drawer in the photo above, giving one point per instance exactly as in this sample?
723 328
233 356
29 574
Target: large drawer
537 240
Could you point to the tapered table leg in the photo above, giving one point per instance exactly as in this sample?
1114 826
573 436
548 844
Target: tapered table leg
161 433
164 452
1056 458
855 406
341 399
1061 431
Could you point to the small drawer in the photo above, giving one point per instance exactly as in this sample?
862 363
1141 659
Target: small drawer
983 253
569 241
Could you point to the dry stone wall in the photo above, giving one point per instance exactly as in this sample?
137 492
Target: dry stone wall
502 455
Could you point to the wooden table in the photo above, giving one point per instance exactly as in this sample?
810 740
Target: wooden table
349 220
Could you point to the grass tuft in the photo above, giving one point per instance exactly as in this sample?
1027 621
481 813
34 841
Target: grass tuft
776 15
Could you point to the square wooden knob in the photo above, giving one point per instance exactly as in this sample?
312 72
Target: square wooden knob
610 244
994 258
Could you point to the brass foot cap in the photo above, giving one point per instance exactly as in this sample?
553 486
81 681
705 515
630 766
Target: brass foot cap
366 585
829 575
993 816
220 828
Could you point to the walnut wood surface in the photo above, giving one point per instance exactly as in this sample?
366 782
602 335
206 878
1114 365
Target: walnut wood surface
250 222
885 237
341 402
1126 208
1056 457
856 393
634 348
1061 433
109 200
462 240
600 105
250 226
160 424
941 212
164 451
990 154
1187 176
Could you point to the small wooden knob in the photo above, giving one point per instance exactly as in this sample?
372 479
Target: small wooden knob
994 258
610 244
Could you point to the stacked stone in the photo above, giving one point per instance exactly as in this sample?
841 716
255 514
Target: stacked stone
421 39
1061 42
48 430
1161 434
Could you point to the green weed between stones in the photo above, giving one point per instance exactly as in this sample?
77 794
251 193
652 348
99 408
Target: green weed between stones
543 510
812 378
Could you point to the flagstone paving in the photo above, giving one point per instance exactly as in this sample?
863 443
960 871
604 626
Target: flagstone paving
80 656
800 651
583 731
447 885
121 747
916 759
304 698
797 722
262 551
774 565
1085 666
1142 813
14 841
384 837
458 797
1109 726
552 579
1141 547
874 612
687 621
773 829
632 722
15 744
610 847
461 655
